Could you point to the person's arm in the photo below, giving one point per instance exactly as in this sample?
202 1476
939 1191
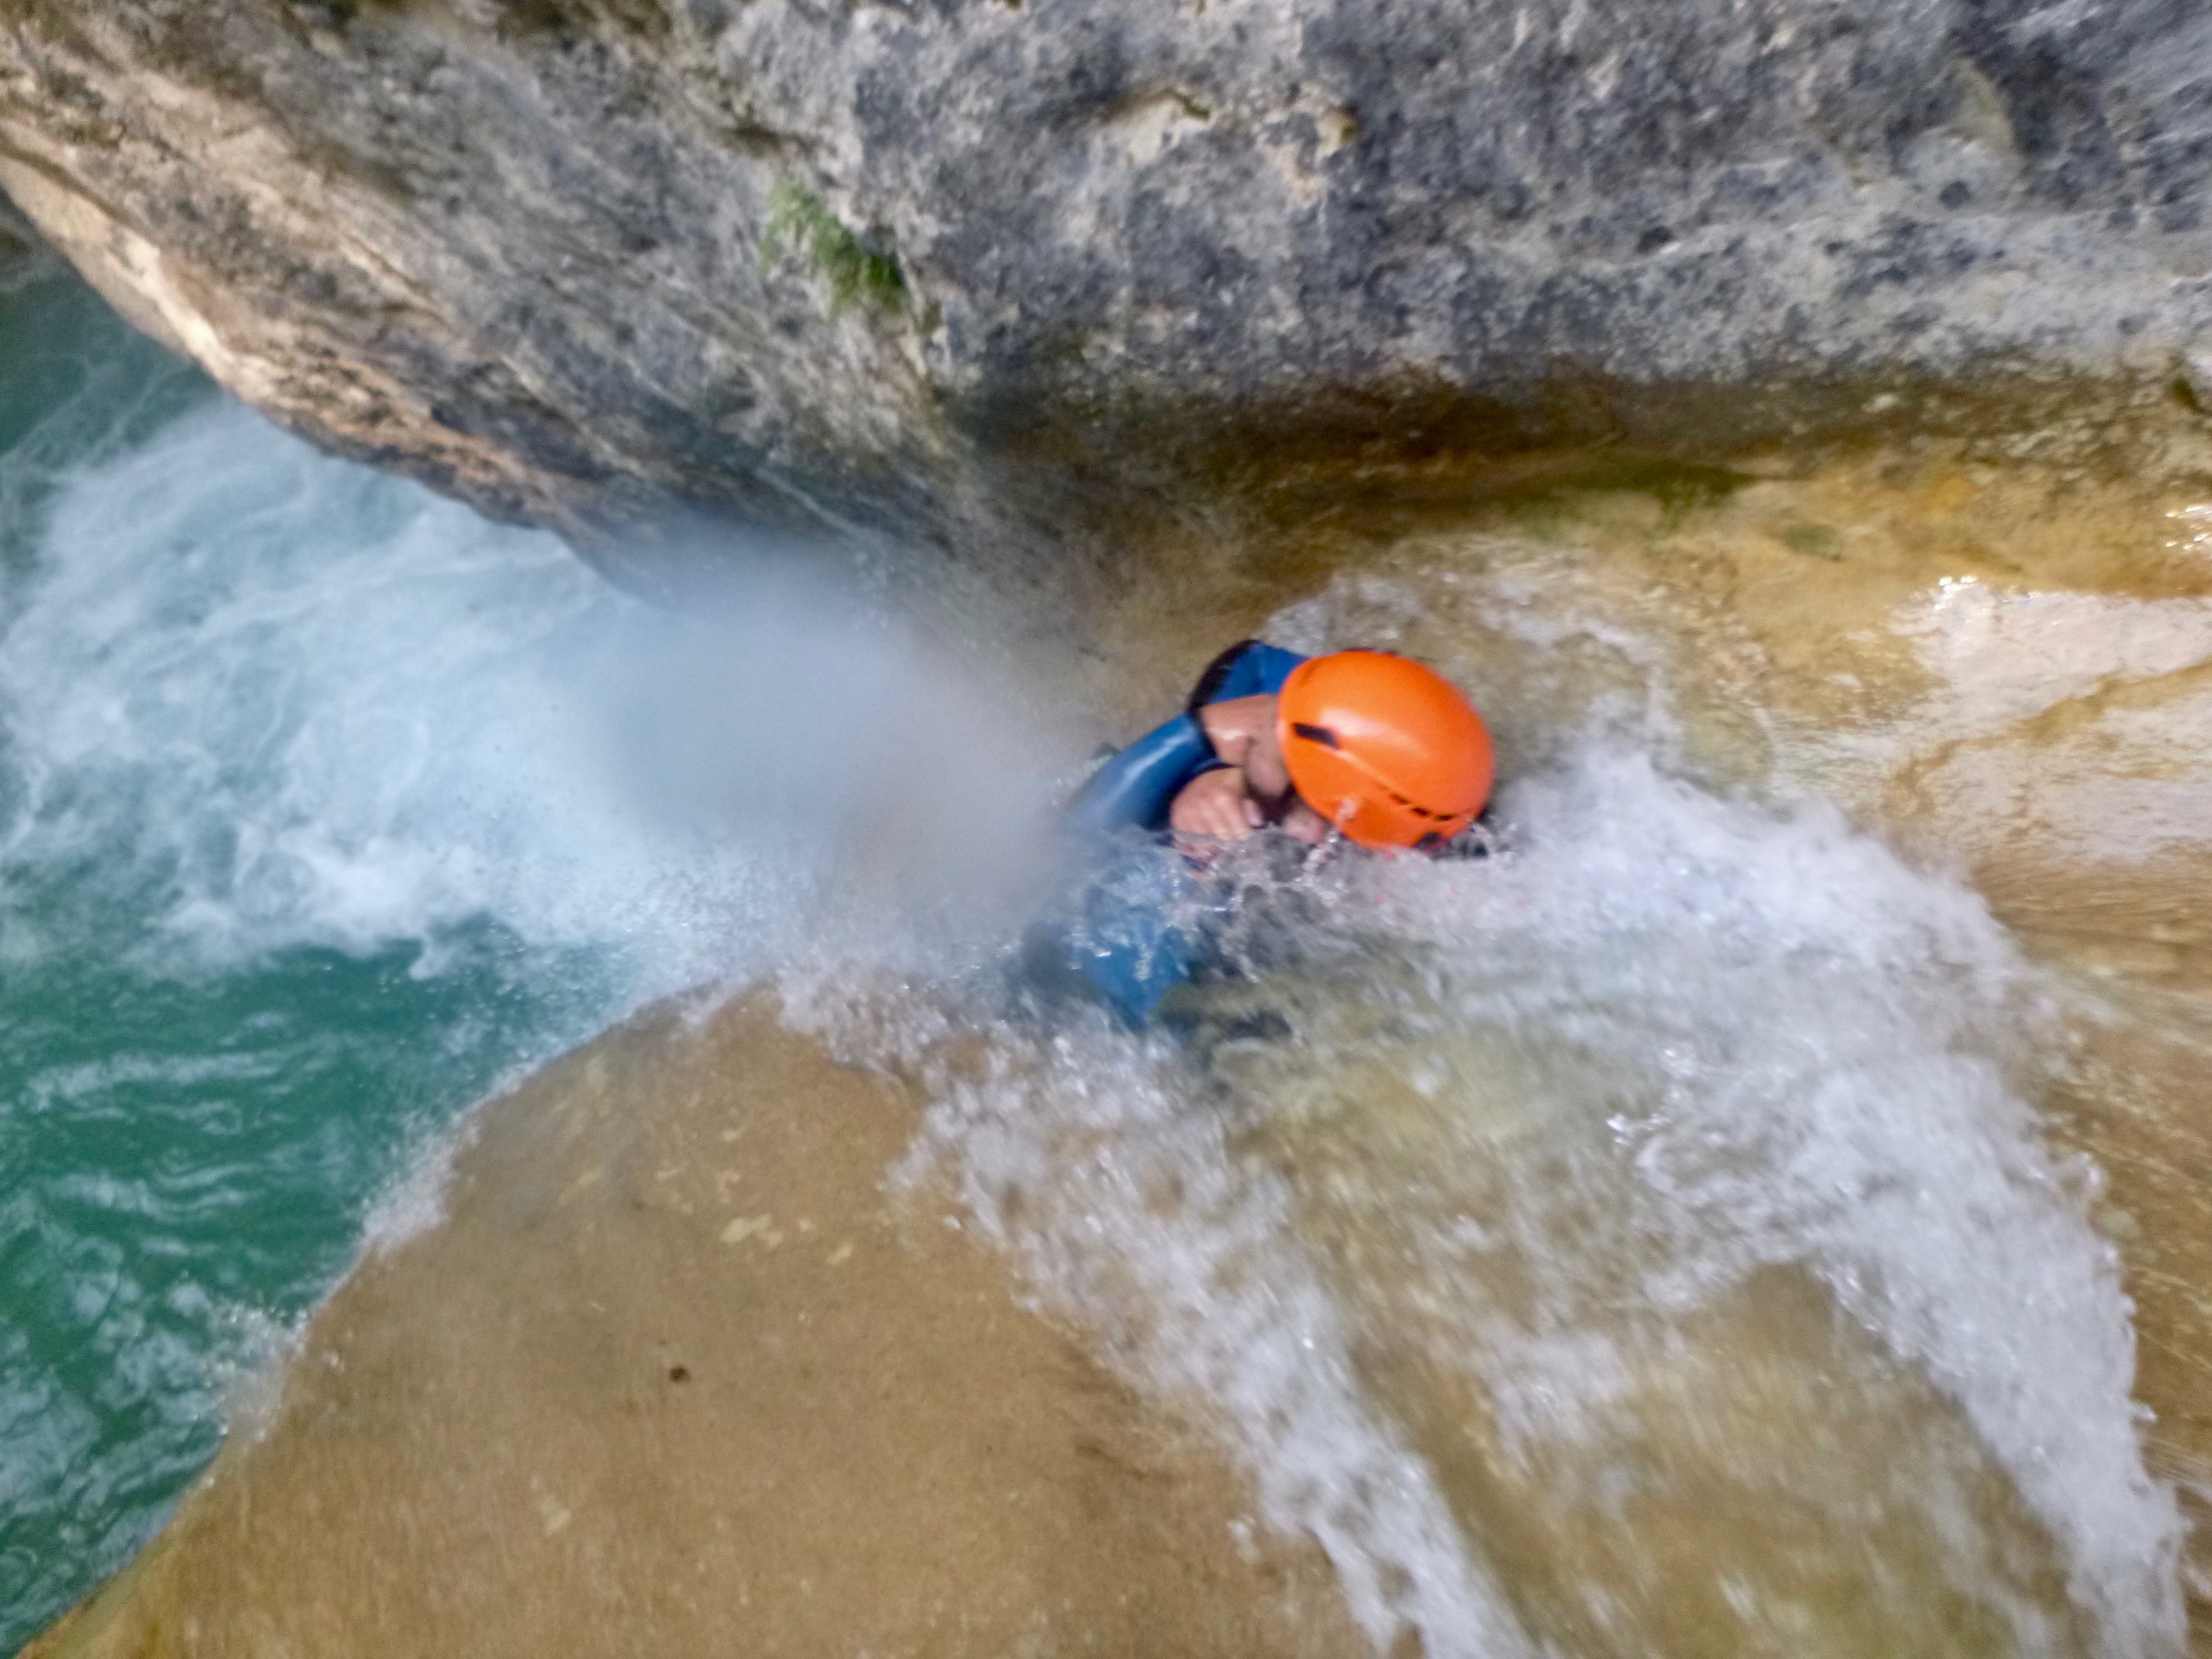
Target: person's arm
1138 787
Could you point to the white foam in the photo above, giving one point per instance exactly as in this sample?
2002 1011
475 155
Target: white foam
1672 1042
413 1202
1813 1055
320 707
289 702
246 1368
1669 1042
1088 1158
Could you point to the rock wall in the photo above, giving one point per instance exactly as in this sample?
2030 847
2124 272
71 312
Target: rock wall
908 267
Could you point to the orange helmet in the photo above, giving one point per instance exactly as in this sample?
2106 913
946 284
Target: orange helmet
1388 750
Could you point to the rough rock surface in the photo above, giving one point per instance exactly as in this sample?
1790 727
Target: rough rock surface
521 248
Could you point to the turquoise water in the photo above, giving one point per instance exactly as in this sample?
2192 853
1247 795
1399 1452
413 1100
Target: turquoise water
305 841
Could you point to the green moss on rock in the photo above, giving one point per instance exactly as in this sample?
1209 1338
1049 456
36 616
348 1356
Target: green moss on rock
798 220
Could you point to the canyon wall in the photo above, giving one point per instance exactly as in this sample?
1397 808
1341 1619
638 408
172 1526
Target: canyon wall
915 270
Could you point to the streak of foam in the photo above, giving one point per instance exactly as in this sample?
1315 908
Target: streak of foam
414 1201
1087 1159
247 1369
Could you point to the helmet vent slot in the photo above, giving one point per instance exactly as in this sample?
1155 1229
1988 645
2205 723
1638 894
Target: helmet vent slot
1320 734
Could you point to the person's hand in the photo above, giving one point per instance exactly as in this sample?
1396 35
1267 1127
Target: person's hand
1214 805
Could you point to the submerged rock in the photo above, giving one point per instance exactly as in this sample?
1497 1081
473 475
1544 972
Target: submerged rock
909 267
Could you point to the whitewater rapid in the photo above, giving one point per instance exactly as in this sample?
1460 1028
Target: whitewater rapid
1671 1188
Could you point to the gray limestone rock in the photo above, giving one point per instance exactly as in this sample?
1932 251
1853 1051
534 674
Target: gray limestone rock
917 266
2195 370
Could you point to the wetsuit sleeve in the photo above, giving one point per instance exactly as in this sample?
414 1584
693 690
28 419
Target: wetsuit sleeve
1246 669
1136 941
1136 788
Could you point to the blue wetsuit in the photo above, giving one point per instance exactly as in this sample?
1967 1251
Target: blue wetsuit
1131 945
1134 790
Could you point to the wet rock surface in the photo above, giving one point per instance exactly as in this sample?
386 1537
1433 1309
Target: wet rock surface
675 1373
919 267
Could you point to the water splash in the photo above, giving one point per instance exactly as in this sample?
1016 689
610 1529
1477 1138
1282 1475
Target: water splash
1551 1137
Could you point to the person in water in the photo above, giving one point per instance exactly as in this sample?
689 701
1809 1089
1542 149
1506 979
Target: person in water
1367 745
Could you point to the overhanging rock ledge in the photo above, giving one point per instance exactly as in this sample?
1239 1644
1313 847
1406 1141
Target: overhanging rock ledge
913 270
